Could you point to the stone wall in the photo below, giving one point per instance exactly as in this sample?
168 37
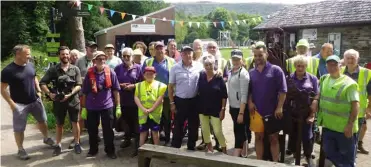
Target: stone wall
352 37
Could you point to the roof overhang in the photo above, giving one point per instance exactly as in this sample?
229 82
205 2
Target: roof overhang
315 25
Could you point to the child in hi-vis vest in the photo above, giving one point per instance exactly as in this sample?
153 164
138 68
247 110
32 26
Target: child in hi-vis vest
149 96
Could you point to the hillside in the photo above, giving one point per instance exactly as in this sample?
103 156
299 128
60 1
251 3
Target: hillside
203 8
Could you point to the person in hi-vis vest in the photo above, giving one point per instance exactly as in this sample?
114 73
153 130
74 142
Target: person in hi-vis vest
338 110
149 96
362 76
302 48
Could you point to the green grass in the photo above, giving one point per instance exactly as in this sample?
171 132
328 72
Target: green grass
226 52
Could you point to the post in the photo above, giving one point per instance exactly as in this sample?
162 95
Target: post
298 141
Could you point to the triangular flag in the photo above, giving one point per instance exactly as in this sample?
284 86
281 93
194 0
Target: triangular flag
181 23
237 22
101 10
112 12
222 23
190 24
230 22
214 24
198 24
123 16
207 24
144 19
153 20
90 6
134 16
164 19
244 21
172 23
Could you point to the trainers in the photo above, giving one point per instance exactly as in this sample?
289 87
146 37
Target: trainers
49 141
57 150
77 149
22 155
202 146
112 155
125 143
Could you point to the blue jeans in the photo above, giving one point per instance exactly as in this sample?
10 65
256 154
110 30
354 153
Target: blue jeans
339 149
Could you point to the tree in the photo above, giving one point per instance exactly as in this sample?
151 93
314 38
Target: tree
191 37
222 15
76 29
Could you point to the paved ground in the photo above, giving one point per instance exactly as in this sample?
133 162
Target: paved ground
41 155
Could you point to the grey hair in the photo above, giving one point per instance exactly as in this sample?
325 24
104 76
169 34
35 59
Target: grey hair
325 45
300 59
209 59
351 52
19 48
75 52
129 50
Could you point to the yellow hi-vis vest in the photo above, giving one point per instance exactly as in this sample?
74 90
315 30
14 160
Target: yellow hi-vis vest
334 108
364 77
148 94
170 62
312 66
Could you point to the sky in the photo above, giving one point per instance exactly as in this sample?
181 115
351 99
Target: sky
247 1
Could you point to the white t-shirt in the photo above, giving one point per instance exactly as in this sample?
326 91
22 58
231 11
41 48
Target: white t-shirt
113 62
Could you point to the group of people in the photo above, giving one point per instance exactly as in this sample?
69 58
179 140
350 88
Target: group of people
140 94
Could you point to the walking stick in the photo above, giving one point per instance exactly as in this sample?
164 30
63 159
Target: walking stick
321 154
298 141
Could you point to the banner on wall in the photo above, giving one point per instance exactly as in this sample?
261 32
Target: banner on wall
310 34
143 28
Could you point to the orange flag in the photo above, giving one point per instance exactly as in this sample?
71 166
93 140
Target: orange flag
123 16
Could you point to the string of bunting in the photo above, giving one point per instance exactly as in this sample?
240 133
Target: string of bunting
173 22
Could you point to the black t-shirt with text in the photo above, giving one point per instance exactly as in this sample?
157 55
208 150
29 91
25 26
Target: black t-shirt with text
21 81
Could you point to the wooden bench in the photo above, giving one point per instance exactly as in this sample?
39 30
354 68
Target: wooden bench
148 151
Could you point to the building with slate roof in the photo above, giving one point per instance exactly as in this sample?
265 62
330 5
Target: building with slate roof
345 23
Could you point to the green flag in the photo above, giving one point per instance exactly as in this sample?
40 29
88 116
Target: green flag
90 6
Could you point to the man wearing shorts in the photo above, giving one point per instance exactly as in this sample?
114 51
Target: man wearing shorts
24 96
67 82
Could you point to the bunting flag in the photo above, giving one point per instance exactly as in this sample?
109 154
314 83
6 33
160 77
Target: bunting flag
78 3
172 23
144 19
112 12
90 7
123 16
101 10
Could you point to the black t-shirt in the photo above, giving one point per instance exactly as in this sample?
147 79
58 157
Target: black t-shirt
21 81
211 94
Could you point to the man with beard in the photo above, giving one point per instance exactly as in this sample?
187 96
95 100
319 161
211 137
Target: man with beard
67 80
23 97
85 62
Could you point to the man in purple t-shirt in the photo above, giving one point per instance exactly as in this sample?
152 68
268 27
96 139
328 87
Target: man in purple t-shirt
99 87
267 95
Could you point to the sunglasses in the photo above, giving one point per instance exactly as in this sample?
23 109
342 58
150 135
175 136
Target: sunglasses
100 59
211 47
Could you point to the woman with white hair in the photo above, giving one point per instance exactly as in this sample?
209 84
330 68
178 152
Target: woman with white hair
213 95
301 86
128 74
75 55
362 76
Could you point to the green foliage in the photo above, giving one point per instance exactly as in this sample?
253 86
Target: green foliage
218 15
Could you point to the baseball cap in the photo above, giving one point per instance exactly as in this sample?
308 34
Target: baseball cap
237 53
159 44
312 46
303 42
186 48
137 52
91 43
149 69
333 58
98 53
109 46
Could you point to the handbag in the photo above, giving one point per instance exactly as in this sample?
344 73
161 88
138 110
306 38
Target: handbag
272 124
256 122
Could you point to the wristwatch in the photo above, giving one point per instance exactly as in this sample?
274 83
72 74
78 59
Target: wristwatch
172 102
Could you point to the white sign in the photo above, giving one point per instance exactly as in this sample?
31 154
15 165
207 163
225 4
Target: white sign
310 34
143 28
